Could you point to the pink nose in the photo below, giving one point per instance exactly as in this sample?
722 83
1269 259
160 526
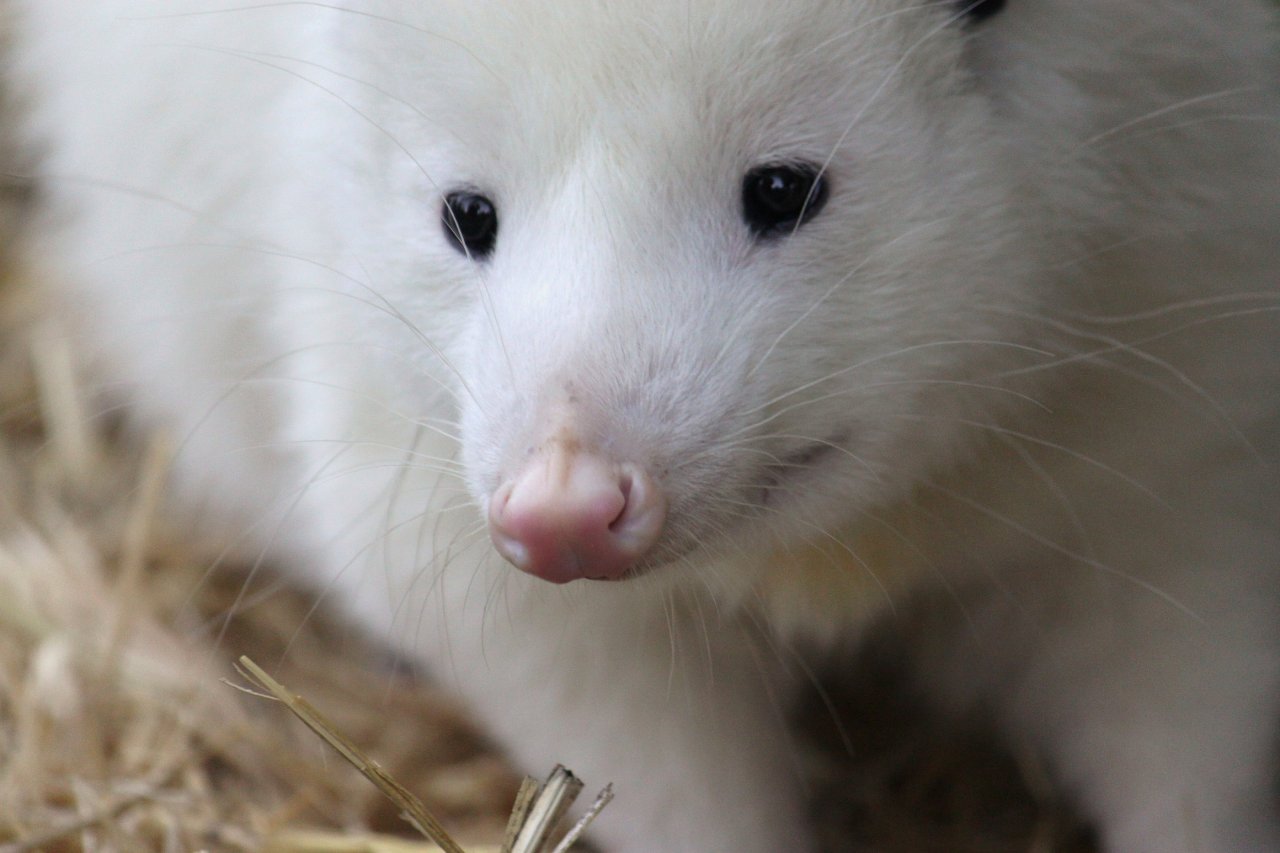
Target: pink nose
571 514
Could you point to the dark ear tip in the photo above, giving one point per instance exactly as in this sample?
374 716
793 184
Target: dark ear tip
979 10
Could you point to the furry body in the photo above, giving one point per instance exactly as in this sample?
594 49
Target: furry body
1022 367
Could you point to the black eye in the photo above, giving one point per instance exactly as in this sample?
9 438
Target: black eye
979 10
776 199
471 224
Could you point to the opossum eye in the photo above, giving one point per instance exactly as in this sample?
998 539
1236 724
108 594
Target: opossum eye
979 10
470 223
779 198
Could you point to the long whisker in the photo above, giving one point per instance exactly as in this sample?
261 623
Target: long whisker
840 282
884 83
281 4
843 371
1134 348
1162 111
1073 555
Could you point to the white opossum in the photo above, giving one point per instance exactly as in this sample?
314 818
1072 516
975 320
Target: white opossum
752 320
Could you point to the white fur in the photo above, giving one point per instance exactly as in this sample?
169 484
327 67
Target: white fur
1039 315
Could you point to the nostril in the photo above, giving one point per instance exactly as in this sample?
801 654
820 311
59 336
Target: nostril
498 502
638 526
624 486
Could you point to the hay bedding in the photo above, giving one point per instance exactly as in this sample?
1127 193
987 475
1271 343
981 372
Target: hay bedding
113 646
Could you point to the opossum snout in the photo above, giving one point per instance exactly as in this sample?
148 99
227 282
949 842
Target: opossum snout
571 512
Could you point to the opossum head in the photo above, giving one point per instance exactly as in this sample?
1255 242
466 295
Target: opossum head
717 271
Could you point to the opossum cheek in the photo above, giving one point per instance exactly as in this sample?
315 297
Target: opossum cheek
570 513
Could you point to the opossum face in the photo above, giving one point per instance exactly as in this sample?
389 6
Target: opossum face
720 271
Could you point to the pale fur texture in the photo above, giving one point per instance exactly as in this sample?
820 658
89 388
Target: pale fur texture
1020 371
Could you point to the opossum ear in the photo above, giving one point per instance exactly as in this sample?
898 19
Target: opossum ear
978 10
